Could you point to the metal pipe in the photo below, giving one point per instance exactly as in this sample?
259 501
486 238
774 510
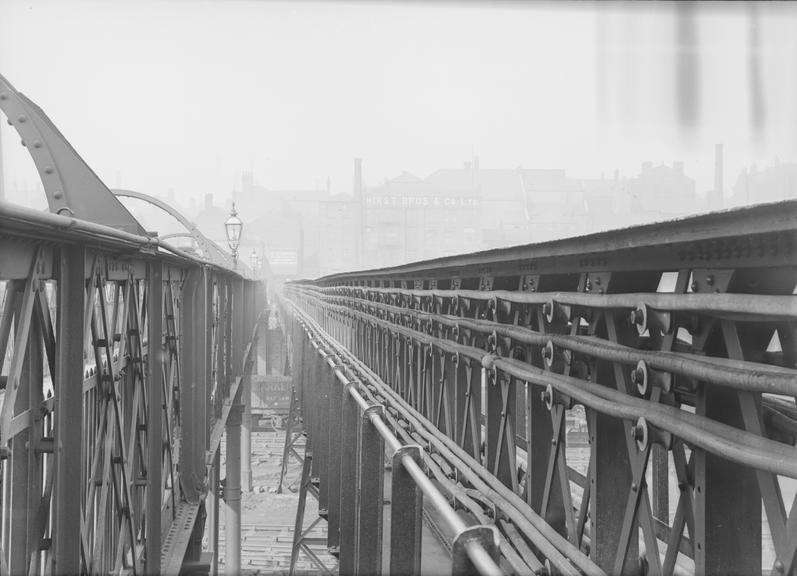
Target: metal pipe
747 448
544 537
752 376
476 552
743 305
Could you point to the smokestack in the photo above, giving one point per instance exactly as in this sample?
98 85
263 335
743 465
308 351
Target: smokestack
358 177
717 196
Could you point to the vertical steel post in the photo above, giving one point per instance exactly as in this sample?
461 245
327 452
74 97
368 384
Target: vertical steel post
213 514
369 495
201 359
334 460
348 483
406 515
191 461
35 378
232 493
659 489
155 416
69 406
241 333
727 503
322 437
21 450
540 437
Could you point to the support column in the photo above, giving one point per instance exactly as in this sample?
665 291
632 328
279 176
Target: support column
69 401
213 514
155 417
241 334
232 493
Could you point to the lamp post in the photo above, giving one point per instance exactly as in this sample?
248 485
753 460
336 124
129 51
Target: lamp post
233 227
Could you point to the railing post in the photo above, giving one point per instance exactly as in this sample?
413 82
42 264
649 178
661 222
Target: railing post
190 450
69 407
406 515
321 446
486 536
334 460
348 481
155 416
369 495
727 499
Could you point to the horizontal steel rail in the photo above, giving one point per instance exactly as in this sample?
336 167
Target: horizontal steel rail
676 341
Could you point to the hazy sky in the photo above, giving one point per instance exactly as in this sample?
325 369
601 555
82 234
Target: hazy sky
188 94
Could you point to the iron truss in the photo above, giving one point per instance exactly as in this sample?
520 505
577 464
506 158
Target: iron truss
677 341
105 443
122 362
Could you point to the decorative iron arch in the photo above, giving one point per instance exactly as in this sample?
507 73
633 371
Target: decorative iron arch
211 251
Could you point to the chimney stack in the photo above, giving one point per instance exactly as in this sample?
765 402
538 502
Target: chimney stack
358 177
716 197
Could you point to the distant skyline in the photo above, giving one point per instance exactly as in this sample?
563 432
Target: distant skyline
189 95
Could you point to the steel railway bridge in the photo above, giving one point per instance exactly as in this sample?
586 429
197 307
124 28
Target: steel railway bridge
439 396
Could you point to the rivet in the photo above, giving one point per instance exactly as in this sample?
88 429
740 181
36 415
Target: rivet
694 286
48 170
58 194
634 486
3 96
37 144
710 279
779 567
22 119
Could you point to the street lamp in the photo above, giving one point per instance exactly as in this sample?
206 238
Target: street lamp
233 227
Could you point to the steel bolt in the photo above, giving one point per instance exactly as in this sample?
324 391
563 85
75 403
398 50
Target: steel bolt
694 286
637 432
710 280
546 308
546 352
588 286
634 486
637 376
636 316
779 567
